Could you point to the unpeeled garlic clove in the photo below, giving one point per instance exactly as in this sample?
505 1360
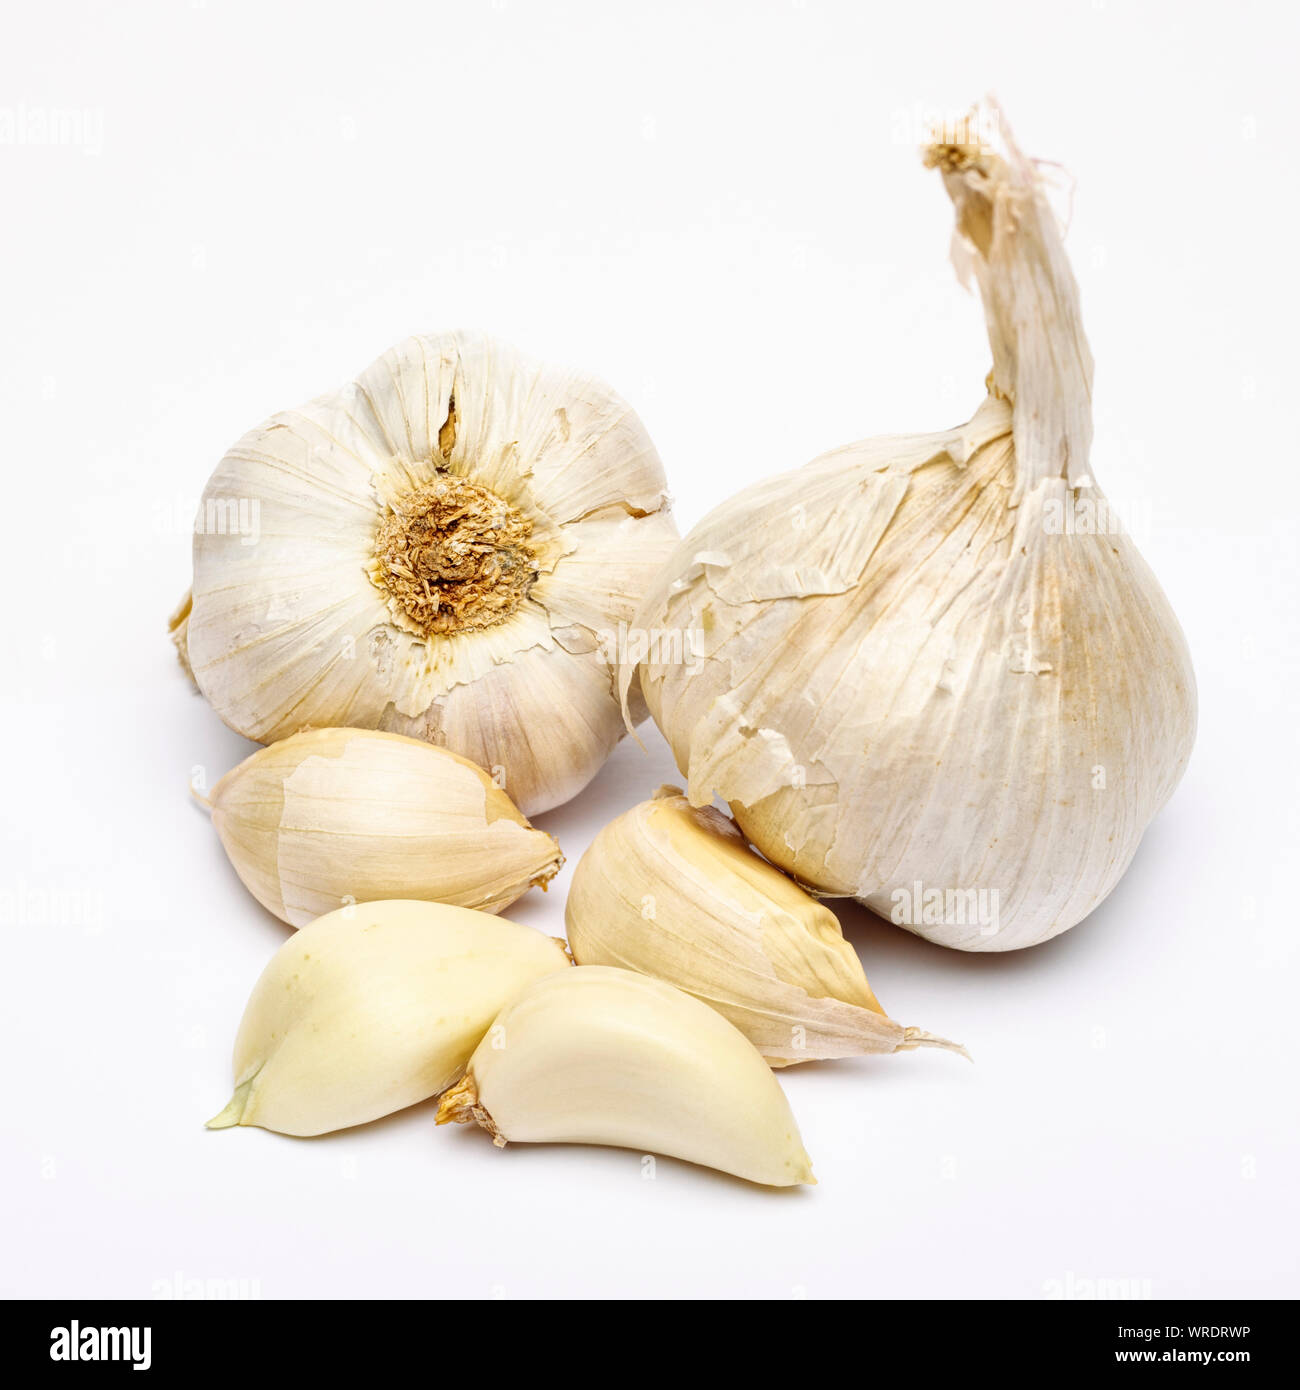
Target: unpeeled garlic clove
674 891
373 1008
334 816
604 1056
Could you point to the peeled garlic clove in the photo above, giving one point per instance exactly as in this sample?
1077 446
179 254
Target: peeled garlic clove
373 1008
604 1056
932 672
335 816
675 892
447 547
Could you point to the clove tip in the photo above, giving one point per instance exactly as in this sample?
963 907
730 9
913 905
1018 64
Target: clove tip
918 1037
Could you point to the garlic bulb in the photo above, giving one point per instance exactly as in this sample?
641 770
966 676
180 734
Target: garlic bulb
603 1056
917 680
674 891
336 816
445 548
373 1008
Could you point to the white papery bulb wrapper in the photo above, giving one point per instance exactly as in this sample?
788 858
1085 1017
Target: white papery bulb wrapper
445 548
914 682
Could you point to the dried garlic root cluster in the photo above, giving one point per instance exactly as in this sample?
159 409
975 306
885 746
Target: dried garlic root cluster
919 664
444 548
605 1056
674 891
335 816
373 1008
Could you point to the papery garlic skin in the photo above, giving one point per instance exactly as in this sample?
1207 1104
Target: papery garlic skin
675 892
606 1056
444 548
337 816
908 680
374 1008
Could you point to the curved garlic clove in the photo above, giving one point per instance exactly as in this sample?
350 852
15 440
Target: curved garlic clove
447 548
674 891
914 681
336 816
374 1008
605 1056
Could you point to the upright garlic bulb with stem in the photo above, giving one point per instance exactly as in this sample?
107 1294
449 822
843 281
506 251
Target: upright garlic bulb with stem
444 548
915 681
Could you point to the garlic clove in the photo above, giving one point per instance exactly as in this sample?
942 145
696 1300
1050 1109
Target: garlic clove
336 816
373 1008
917 684
607 1056
426 551
674 891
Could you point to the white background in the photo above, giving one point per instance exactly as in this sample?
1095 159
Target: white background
720 209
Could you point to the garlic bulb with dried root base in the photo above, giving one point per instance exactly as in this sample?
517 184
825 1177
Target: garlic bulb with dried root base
916 682
374 1008
337 816
604 1056
445 548
674 891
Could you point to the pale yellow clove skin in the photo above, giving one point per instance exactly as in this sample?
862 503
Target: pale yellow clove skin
675 891
605 1056
373 1008
334 816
